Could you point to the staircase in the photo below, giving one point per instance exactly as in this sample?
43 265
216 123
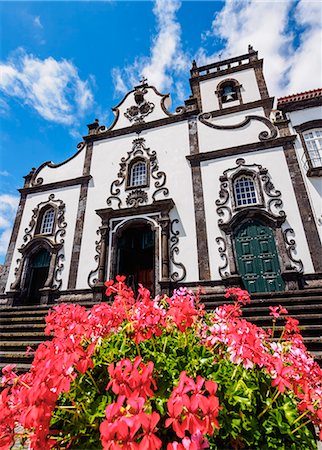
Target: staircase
303 305
23 326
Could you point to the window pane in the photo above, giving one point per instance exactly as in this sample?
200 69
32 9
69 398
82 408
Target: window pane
245 192
138 174
48 222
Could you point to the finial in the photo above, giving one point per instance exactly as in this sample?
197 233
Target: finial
194 64
250 48
143 80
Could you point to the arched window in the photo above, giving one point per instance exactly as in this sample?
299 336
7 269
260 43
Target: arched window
245 191
138 174
48 220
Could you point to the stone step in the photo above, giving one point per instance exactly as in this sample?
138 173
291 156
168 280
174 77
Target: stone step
304 319
306 330
22 319
22 326
25 335
211 303
21 367
13 357
292 309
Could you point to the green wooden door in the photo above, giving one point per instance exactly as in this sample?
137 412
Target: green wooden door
257 258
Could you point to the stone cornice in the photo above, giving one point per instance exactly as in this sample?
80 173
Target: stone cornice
55 185
245 148
137 128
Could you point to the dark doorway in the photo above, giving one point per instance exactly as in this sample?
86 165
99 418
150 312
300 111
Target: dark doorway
135 256
37 275
257 258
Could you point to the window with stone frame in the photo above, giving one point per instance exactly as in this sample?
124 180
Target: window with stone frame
313 142
228 91
48 221
245 191
138 174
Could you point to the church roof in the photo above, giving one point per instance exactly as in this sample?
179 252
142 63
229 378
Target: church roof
300 96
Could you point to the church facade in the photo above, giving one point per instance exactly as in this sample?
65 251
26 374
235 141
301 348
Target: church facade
225 191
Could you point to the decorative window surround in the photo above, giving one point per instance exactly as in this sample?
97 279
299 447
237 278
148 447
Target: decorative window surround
33 242
268 211
139 152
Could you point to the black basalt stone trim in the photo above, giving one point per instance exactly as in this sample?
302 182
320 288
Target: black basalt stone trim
12 243
303 202
220 73
137 128
55 185
199 206
245 148
78 234
308 125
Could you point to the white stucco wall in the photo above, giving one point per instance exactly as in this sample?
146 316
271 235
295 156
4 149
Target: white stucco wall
171 145
69 196
72 168
249 90
213 139
274 161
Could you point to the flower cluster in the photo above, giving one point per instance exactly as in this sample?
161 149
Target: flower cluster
196 413
143 373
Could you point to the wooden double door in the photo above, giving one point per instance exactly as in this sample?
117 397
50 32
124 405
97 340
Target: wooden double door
257 258
136 257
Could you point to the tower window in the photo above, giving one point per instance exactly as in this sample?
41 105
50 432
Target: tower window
47 224
138 174
245 191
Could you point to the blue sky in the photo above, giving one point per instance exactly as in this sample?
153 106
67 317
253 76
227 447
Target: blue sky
62 64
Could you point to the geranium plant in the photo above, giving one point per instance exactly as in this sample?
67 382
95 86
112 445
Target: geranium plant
142 373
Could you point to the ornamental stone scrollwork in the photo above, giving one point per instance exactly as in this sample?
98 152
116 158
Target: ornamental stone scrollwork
266 205
291 248
136 198
92 276
263 135
267 197
139 150
222 249
34 240
174 250
58 270
223 208
143 108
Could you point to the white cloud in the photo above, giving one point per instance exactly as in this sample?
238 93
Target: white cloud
8 207
37 22
306 64
167 59
53 88
4 173
289 66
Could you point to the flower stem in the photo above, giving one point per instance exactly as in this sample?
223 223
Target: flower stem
300 426
270 405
